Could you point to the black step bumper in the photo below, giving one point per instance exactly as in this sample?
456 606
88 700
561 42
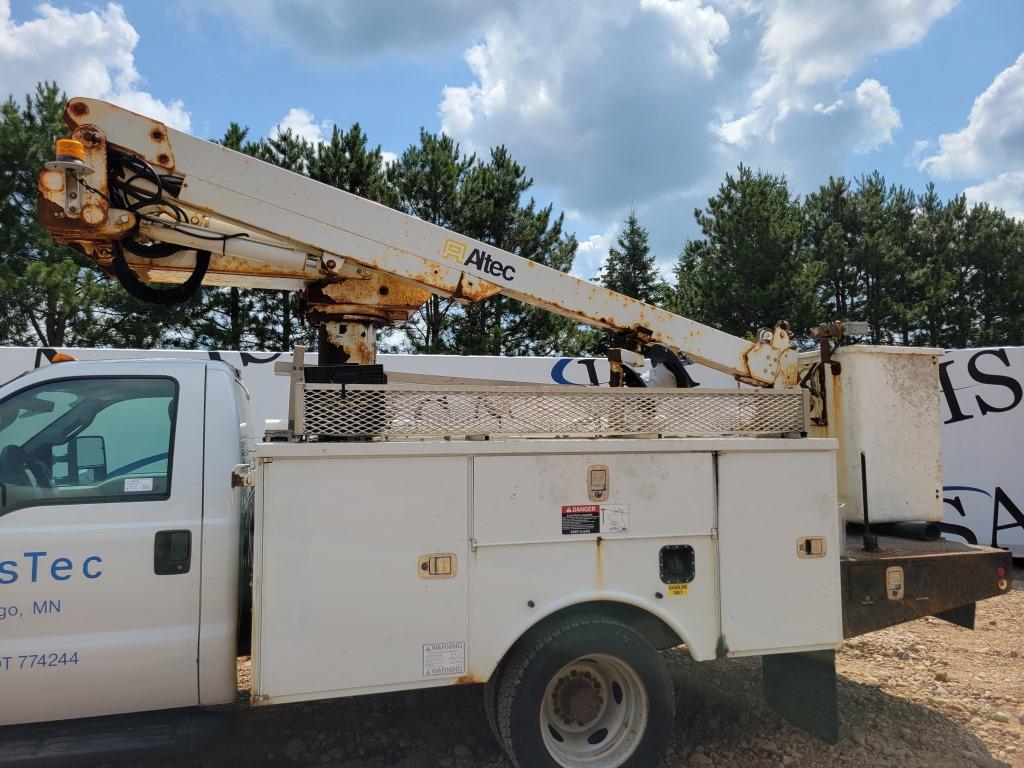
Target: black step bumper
937 578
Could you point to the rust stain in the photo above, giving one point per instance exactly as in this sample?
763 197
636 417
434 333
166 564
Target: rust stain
94 213
467 679
51 181
78 108
599 570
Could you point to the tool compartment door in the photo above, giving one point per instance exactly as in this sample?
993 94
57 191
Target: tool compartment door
341 603
776 596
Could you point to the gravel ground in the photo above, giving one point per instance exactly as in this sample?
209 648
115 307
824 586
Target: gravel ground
923 694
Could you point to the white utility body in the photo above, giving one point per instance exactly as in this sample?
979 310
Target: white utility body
544 540
496 509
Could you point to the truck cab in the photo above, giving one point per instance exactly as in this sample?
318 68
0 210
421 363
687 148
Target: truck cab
119 537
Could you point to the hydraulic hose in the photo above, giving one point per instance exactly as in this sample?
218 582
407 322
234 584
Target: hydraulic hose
178 294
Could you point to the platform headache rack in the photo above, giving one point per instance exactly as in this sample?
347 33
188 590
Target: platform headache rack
353 411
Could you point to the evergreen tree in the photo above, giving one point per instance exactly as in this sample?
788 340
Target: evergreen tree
861 238
347 161
630 267
750 269
932 242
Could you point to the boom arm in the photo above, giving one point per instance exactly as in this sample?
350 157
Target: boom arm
361 264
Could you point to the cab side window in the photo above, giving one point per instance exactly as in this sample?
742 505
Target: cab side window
97 439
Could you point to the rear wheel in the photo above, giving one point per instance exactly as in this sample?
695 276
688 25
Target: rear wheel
588 691
491 690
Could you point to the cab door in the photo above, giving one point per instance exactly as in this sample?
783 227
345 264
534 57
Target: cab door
100 523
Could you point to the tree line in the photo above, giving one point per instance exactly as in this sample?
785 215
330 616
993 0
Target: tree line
919 269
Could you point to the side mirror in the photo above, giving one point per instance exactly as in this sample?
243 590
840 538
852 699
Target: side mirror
90 452
83 461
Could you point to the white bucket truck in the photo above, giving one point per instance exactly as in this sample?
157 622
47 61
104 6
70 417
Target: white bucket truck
545 541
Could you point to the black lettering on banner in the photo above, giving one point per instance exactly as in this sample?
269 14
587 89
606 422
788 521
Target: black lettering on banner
1012 385
591 365
1000 501
996 380
950 394
1004 501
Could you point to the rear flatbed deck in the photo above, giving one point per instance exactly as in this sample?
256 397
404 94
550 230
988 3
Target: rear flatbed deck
908 579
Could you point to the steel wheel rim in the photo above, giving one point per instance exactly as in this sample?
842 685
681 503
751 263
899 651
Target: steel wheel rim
594 712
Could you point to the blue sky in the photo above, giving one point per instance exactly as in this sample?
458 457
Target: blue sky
610 105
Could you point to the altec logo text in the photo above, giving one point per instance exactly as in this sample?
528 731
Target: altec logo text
489 266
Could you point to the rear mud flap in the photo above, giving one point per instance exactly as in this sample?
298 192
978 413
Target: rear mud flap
802 688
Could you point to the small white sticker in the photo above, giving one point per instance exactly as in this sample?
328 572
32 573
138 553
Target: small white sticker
137 484
441 659
614 518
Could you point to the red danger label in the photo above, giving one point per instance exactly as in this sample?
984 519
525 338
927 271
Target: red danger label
581 518
581 509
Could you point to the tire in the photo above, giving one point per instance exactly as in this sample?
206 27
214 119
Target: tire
491 690
586 692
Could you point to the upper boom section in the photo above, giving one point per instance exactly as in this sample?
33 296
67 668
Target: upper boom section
266 227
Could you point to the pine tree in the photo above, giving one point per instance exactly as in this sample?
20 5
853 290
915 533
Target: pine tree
630 267
751 268
347 161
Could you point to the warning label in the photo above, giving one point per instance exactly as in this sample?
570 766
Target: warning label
594 518
614 518
440 659
581 518
678 590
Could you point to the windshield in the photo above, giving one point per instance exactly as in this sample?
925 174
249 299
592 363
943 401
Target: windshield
22 417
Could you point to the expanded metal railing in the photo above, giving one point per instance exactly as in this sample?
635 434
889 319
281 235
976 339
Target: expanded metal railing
415 411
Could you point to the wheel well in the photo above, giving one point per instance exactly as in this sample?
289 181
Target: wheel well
655 631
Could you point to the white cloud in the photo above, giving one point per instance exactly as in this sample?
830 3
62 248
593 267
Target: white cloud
388 158
809 41
346 29
807 51
87 54
993 139
1006 191
302 123
592 252
601 100
645 103
913 158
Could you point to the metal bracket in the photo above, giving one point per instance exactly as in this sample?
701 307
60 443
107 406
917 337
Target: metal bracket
242 476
